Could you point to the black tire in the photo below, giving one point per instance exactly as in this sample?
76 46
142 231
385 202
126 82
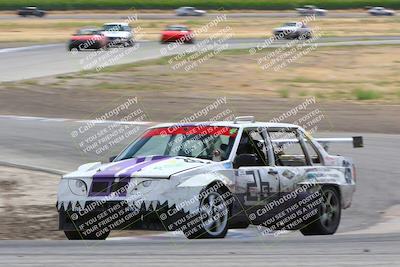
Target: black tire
76 235
327 221
212 223
70 48
131 43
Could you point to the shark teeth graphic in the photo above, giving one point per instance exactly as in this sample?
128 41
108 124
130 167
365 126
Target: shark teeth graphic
154 204
82 203
73 204
147 204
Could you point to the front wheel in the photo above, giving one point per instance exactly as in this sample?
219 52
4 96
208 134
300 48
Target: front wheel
213 216
77 235
327 219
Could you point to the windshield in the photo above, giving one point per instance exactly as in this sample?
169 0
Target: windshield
176 28
87 32
290 24
205 142
116 28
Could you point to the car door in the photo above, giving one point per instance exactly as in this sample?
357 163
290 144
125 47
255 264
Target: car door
255 185
290 155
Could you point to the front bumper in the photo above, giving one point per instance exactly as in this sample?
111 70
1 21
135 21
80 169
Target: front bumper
118 215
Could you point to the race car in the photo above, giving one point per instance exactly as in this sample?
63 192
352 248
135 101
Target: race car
309 10
89 38
381 11
177 33
189 11
31 11
118 33
293 30
208 177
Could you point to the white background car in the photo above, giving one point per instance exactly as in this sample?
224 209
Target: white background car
311 10
118 33
189 11
381 11
293 30
206 178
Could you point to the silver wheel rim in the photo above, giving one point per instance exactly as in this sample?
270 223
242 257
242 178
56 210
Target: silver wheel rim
214 214
329 209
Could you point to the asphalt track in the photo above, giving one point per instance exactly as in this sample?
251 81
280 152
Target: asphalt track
368 250
47 143
53 59
144 16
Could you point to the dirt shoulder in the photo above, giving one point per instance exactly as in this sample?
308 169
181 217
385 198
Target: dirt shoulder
334 77
28 206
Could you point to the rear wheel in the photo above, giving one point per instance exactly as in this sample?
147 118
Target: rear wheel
327 220
76 235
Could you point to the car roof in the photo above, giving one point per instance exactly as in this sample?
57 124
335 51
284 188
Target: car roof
176 26
92 30
117 23
229 124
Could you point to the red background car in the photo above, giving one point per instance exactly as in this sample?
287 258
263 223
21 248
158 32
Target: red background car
175 33
88 39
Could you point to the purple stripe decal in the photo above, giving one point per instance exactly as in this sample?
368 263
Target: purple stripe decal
140 166
132 165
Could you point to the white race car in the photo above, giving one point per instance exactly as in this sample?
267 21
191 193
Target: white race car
309 10
189 11
293 30
206 178
381 11
118 33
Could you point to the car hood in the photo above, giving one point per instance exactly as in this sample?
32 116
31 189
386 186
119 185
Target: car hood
175 32
116 34
86 37
148 167
286 29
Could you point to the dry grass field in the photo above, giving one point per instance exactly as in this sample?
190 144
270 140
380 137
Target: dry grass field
59 30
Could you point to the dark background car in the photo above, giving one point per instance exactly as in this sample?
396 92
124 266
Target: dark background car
31 11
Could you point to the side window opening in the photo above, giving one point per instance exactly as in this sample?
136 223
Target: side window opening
252 142
312 151
288 147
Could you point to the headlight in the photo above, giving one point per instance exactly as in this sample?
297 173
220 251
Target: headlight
77 187
141 185
146 183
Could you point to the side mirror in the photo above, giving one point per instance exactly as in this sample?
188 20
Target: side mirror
245 160
111 159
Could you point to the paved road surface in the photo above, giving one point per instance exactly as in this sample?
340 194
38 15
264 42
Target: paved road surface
288 250
48 143
53 59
